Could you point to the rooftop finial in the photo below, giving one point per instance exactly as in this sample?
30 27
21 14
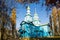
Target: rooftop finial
28 8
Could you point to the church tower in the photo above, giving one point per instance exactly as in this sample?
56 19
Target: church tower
36 21
28 17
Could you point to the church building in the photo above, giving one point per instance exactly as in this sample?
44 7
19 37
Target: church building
31 26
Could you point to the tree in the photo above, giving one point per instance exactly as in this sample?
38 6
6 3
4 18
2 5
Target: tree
13 20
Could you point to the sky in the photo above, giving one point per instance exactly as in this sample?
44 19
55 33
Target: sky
41 11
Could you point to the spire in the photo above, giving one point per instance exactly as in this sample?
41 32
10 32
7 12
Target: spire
28 10
28 17
36 15
36 21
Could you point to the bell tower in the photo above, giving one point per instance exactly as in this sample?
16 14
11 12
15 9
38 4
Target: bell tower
28 17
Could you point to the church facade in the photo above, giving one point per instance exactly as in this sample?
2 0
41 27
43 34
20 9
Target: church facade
30 26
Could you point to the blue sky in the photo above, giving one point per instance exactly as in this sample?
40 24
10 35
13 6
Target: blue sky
21 11
41 11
